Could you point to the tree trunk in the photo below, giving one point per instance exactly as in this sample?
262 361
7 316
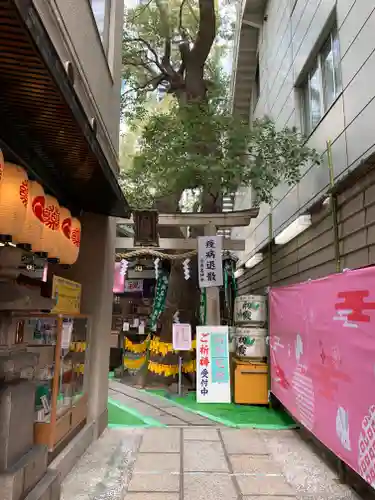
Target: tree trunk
183 295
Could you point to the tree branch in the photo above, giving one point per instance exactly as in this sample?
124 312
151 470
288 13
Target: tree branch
166 61
206 32
181 29
141 10
141 64
149 47
153 82
164 18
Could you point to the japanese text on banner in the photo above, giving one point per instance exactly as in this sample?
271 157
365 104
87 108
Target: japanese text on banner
210 263
213 378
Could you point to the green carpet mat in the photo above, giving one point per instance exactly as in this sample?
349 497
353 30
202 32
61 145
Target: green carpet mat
118 416
232 415
122 416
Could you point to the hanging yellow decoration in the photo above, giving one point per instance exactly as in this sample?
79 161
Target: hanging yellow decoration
158 347
78 346
134 364
159 369
137 348
189 366
170 370
163 348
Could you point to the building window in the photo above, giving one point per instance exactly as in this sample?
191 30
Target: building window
323 83
102 11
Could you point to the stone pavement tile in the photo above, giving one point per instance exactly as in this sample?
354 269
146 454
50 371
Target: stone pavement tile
154 483
202 422
105 466
254 464
143 408
157 462
161 441
204 456
153 400
348 495
153 496
244 441
269 497
166 420
305 470
184 415
264 485
199 434
209 487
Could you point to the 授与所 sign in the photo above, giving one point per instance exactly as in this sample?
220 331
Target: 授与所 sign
209 261
213 377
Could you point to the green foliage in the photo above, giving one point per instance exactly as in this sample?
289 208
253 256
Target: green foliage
195 147
157 36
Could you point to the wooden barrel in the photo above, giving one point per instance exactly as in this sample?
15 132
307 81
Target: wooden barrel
250 309
251 342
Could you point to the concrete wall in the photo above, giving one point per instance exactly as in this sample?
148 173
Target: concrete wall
72 28
312 254
286 45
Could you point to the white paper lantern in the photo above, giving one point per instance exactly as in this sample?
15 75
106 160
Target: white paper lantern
75 242
32 229
48 242
65 235
13 198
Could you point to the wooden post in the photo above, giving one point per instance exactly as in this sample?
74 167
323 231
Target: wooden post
56 382
213 296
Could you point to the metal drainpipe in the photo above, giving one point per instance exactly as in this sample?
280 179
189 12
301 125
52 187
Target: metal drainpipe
334 210
270 238
341 467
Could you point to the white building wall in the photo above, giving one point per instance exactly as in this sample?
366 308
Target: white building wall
286 45
97 66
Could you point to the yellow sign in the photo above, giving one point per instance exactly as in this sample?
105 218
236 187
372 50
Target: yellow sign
67 295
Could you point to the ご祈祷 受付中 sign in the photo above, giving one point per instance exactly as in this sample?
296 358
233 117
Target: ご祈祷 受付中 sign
213 376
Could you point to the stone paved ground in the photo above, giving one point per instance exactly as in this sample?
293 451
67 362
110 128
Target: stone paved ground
163 410
191 461
199 463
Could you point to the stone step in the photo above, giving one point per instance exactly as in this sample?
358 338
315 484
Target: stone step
17 404
49 488
21 478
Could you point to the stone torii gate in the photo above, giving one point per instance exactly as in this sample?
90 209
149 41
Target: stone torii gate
210 224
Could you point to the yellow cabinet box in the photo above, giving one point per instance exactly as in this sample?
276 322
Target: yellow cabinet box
250 383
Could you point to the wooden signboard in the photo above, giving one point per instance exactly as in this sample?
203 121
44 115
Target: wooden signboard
145 228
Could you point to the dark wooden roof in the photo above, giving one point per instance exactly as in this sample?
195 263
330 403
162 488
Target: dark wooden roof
43 125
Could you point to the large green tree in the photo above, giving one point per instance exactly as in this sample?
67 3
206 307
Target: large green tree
194 144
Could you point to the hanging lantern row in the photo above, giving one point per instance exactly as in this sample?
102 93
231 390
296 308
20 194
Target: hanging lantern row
30 218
